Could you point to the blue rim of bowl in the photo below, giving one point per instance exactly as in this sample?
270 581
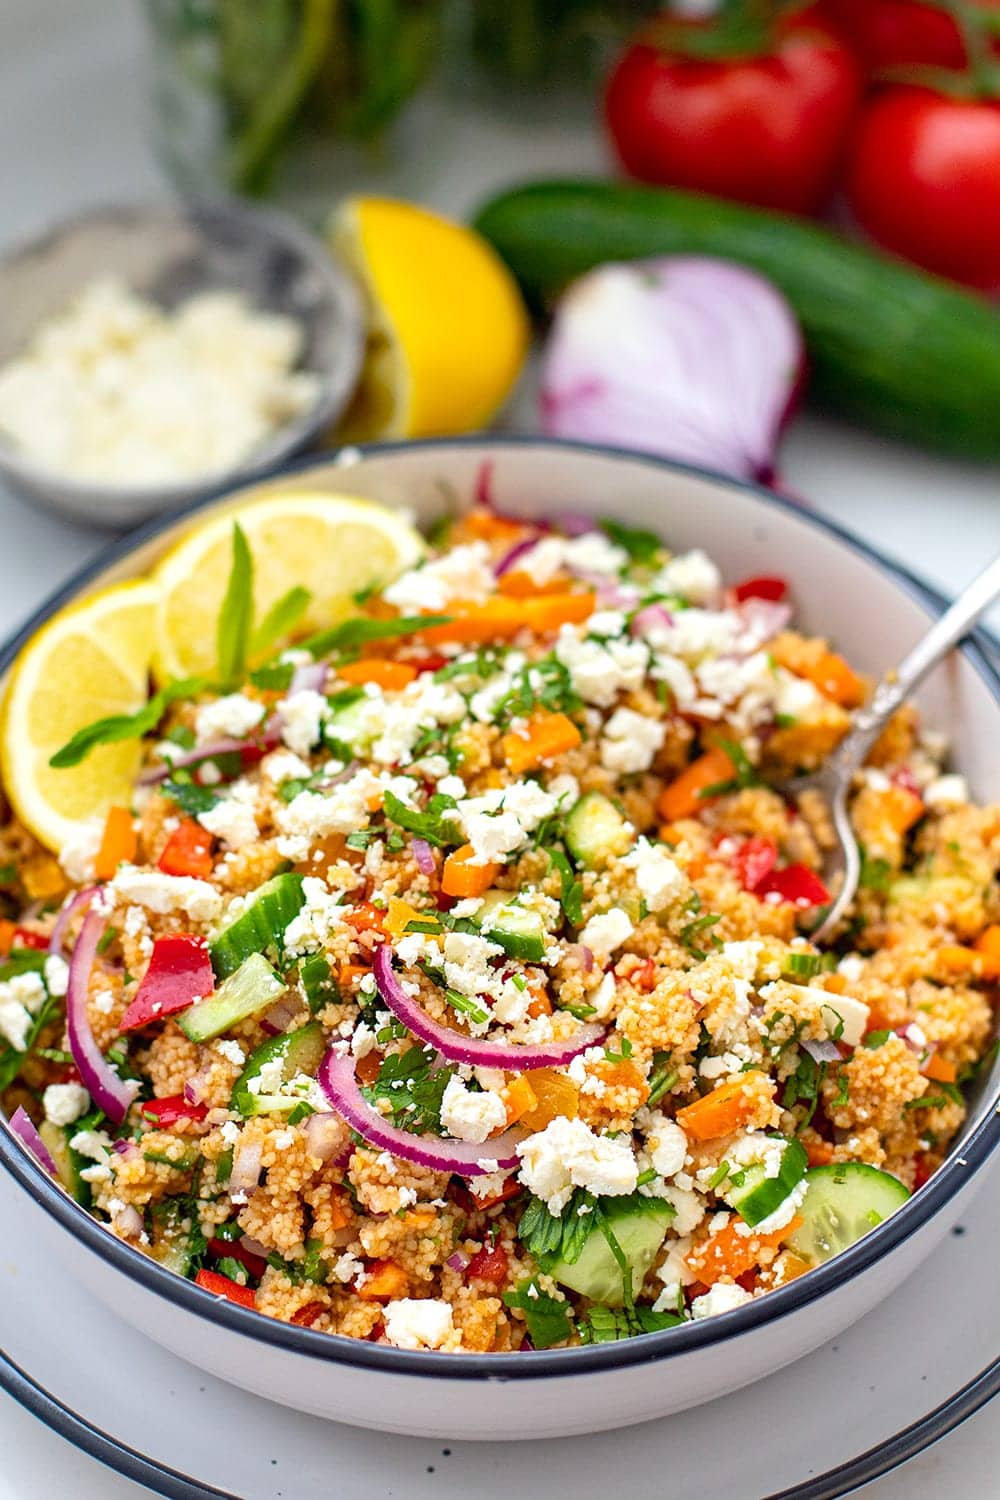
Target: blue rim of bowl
884 1458
958 1169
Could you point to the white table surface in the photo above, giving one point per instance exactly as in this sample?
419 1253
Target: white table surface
74 129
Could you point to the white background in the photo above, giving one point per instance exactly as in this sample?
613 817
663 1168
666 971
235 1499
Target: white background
74 129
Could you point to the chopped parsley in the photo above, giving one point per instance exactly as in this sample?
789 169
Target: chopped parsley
549 1320
431 824
606 1325
412 1089
643 547
876 874
189 797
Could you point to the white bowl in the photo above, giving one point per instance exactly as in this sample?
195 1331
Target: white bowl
873 610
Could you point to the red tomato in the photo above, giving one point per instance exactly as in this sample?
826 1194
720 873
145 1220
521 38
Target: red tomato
900 33
924 180
165 1113
754 861
766 129
772 589
489 1264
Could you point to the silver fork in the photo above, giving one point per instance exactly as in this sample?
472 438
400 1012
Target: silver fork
833 780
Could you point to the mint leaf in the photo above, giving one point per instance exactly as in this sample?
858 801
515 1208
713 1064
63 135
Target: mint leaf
124 726
549 1321
351 633
280 619
431 824
232 637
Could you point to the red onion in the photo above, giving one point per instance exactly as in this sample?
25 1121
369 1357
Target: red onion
822 1052
586 957
196 1086
482 493
76 903
762 619
574 524
691 357
128 1222
424 856
464 1158
653 617
511 556
265 737
125 1148
108 1091
24 1128
458 1261
309 677
280 1015
245 1174
513 1056
254 1247
325 1138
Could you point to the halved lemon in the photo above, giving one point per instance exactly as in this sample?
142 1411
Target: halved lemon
90 661
447 329
332 545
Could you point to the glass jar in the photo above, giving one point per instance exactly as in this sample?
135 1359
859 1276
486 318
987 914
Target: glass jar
301 99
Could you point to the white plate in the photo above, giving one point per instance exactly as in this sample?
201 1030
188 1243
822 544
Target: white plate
856 1393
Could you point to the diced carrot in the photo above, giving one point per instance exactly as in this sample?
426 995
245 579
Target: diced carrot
349 974
540 1004
988 944
7 931
499 618
623 1075
683 797
825 669
939 1069
955 960
393 676
519 1098
729 1253
188 851
520 585
902 808
384 1281
460 877
727 1108
819 1152
546 614
339 1213
490 527
366 918
548 735
118 843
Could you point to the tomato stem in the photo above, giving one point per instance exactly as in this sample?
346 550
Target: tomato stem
741 29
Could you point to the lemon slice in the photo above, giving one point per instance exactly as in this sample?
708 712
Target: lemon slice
332 545
90 661
447 329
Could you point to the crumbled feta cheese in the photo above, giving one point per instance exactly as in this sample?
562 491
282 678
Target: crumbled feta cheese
230 1132
603 998
231 1051
947 793
363 1040
568 1154
593 552
20 999
316 920
65 1102
56 974
467 963
470 1116
599 670
667 1146
96 1146
659 878
347 1267
669 1299
689 1208
418 1322
165 893
631 741
232 821
302 718
79 851
852 966
231 717
284 765
607 931
462 573
692 575
723 1297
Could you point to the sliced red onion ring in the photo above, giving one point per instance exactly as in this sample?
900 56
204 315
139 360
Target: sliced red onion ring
266 737
23 1127
513 1056
57 940
511 556
310 677
424 856
109 1092
245 1174
464 1158
822 1052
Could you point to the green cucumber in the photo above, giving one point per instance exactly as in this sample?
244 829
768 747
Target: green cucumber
639 1225
842 1203
298 1051
251 989
176 1240
596 831
69 1163
754 1196
904 352
261 925
519 932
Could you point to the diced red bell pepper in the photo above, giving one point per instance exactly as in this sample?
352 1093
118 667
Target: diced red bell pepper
180 972
754 860
188 851
366 918
23 937
166 1113
221 1286
774 589
489 1264
431 663
307 1315
256 1264
795 883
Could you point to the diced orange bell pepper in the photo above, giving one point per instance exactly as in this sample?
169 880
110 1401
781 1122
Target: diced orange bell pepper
826 670
118 843
988 945
490 527
385 1281
555 1094
460 877
683 798
392 676
519 585
727 1108
902 808
188 851
939 1069
500 618
548 735
7 931
819 1152
519 1098
397 917
729 1253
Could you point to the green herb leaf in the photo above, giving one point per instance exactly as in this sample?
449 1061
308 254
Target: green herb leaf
412 1090
876 874
571 893
232 636
124 726
431 824
273 676
606 1325
746 772
643 547
190 798
553 1237
355 632
280 619
549 1320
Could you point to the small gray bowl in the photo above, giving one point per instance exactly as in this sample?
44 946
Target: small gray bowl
168 252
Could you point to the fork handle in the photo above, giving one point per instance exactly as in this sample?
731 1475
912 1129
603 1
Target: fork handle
892 691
